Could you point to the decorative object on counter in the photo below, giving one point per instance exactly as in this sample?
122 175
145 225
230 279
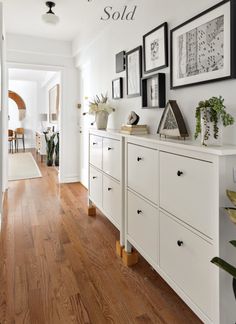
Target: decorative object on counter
120 62
49 137
133 118
43 117
134 72
172 122
57 143
154 91
155 48
54 103
220 262
101 109
117 88
203 48
134 129
210 114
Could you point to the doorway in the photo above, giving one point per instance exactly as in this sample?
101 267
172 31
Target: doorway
34 108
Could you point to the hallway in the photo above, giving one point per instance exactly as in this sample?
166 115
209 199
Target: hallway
61 267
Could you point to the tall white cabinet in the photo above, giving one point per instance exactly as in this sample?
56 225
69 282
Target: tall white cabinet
172 199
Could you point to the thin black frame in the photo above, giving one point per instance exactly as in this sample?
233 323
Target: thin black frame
232 44
161 90
165 25
121 88
139 49
120 62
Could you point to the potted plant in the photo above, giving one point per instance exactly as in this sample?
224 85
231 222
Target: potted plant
49 137
57 149
209 113
220 262
101 109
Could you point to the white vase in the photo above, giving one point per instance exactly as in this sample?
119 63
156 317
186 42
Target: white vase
101 119
211 140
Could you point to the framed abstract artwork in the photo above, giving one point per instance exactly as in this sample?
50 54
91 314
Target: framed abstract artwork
120 62
117 88
134 72
154 91
203 48
54 103
155 48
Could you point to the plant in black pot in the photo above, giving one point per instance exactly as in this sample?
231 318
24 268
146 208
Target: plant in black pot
49 137
57 149
220 262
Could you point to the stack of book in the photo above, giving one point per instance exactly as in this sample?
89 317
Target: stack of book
134 129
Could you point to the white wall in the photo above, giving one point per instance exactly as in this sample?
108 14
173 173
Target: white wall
28 91
96 63
54 56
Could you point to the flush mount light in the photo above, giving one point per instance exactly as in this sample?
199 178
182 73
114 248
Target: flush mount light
50 17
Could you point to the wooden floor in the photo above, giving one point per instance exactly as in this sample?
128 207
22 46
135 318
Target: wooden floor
57 265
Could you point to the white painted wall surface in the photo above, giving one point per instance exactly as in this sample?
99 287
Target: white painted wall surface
96 63
29 93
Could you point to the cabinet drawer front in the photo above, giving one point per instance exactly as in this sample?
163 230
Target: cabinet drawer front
111 157
187 190
96 151
188 265
95 188
112 200
143 225
143 171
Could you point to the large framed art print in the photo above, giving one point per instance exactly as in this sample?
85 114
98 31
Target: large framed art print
203 48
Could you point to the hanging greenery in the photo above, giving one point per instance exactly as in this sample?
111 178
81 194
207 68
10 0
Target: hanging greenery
211 111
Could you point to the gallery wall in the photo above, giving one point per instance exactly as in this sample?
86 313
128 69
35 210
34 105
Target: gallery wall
96 65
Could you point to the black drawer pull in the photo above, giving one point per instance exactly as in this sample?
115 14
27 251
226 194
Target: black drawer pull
179 173
109 189
139 211
109 148
139 159
94 143
180 243
94 177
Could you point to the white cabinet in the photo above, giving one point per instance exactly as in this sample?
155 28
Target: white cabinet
142 229
185 257
111 157
96 151
187 190
142 169
95 185
112 200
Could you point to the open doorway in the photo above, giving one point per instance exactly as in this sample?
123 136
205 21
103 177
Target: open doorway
34 106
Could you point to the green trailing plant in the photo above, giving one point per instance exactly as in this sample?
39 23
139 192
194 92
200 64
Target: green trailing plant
57 150
220 262
49 137
211 111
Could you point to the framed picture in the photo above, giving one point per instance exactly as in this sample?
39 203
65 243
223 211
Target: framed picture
155 48
134 72
54 102
117 88
154 91
203 48
120 62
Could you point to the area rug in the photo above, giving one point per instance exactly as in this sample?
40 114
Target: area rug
22 166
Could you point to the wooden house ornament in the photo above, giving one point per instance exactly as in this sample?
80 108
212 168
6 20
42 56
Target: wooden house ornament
172 122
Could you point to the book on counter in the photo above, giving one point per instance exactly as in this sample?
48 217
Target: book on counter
134 129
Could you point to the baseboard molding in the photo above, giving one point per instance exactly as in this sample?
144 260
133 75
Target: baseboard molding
69 179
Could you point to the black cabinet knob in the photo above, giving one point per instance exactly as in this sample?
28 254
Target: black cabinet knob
139 159
180 243
94 143
109 148
139 211
179 173
94 177
109 189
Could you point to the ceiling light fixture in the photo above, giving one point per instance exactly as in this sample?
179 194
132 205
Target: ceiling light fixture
50 17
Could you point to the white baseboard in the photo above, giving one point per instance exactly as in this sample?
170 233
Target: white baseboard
70 179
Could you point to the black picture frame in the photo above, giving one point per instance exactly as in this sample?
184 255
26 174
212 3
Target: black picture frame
120 62
158 82
117 93
134 67
162 62
230 20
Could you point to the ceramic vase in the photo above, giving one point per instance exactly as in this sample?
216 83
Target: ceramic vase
101 119
209 128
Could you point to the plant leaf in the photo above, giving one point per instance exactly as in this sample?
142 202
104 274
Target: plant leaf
232 214
225 266
232 196
233 243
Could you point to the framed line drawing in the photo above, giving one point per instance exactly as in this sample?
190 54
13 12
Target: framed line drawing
203 48
134 72
117 88
155 49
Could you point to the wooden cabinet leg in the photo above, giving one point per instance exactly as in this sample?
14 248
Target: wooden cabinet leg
119 249
130 258
91 211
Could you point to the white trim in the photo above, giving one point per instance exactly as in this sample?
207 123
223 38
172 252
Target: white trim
70 179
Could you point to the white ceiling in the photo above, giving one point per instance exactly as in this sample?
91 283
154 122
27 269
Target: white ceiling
76 17
39 76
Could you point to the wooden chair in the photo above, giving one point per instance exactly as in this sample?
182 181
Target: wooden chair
20 135
11 139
